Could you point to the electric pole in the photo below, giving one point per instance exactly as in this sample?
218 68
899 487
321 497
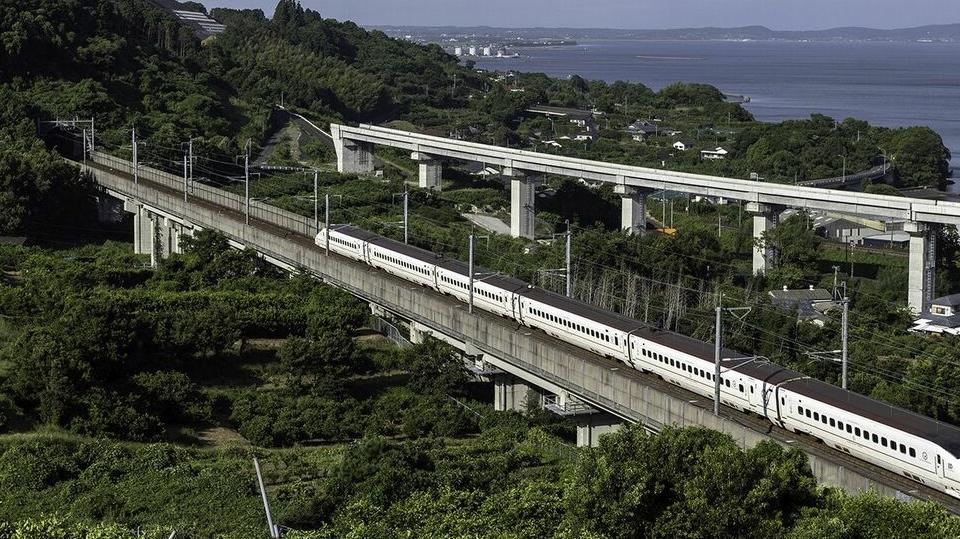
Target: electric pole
316 202
326 198
406 216
470 264
136 162
569 273
185 154
716 357
843 356
190 149
246 183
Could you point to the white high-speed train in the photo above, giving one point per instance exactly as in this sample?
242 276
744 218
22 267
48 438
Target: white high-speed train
917 447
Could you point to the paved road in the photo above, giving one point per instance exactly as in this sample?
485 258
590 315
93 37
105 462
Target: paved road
488 222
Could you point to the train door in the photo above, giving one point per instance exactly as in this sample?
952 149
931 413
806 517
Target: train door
939 465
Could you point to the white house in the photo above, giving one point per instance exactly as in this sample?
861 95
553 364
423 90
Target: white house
683 145
719 153
943 316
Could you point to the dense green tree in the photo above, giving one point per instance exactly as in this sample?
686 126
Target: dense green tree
686 483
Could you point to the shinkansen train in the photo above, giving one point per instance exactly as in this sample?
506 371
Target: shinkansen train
914 446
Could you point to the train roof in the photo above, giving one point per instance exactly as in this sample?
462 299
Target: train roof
583 310
354 232
481 274
943 434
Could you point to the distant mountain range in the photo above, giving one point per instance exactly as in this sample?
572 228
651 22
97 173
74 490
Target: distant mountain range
937 33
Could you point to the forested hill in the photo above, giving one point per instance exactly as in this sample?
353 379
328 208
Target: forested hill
129 64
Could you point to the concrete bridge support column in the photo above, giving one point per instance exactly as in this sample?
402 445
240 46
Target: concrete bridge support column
633 209
922 271
142 231
591 427
417 336
522 204
513 394
765 217
353 157
430 171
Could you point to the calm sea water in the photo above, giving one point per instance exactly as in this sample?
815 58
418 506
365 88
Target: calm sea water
887 84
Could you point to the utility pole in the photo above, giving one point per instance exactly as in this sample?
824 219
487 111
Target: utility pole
326 198
845 321
190 150
274 531
836 271
716 356
136 161
719 345
406 216
246 183
470 263
83 136
316 202
185 155
569 272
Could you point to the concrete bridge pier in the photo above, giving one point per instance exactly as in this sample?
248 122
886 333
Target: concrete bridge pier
154 234
430 171
633 211
142 229
522 204
591 427
513 394
922 272
765 218
353 157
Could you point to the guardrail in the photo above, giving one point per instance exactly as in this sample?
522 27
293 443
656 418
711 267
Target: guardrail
258 210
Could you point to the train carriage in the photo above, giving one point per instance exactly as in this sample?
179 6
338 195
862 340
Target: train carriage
602 332
491 292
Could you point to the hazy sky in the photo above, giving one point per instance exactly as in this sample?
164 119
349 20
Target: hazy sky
636 14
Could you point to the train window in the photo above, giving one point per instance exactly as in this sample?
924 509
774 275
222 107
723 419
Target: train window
883 442
840 425
740 387
874 438
832 422
751 389
816 416
857 431
913 452
903 449
849 429
809 413
800 410
823 419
